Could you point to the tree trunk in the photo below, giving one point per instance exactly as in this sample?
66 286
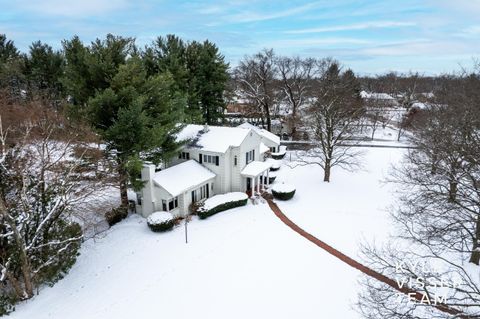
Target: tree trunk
15 284
123 185
452 191
269 121
326 171
26 273
475 257
293 133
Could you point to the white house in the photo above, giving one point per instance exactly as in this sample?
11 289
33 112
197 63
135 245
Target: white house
213 160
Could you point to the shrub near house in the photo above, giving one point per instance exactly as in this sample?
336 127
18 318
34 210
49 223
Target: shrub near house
283 191
160 221
220 203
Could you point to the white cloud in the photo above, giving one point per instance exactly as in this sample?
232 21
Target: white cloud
470 32
421 47
74 8
302 43
249 16
359 26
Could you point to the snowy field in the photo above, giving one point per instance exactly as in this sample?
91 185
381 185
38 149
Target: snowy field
242 263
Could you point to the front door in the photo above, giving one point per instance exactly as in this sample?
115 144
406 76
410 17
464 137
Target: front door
249 183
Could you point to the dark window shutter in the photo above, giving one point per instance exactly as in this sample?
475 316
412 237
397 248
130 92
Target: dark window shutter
208 191
193 196
188 156
200 158
217 160
180 155
246 158
253 155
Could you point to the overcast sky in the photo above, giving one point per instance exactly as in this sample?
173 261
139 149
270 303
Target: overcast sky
431 36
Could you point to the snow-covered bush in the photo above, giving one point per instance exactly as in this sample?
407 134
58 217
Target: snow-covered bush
160 221
219 203
275 166
283 191
271 178
281 154
115 215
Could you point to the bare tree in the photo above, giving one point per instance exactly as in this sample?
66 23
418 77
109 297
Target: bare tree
332 119
439 219
296 79
256 79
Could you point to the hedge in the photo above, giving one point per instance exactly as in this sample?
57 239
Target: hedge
283 191
273 169
202 213
116 215
160 225
278 156
271 179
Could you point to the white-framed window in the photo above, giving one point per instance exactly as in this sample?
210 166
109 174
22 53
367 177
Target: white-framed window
168 205
201 193
250 156
211 159
273 149
184 155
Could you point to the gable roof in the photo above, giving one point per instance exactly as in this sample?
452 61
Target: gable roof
216 139
262 132
181 177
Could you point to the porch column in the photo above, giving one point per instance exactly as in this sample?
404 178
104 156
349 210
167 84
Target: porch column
253 186
258 186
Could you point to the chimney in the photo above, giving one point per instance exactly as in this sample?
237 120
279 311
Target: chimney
148 199
148 171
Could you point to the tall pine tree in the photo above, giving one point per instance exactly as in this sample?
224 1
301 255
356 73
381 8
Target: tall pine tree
44 69
207 80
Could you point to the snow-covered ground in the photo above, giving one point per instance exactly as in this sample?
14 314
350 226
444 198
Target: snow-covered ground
241 263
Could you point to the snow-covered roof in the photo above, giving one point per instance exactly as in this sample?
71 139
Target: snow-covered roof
376 96
181 177
262 132
215 139
255 168
263 148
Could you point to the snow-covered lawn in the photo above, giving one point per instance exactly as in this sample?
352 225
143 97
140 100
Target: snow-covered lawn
241 263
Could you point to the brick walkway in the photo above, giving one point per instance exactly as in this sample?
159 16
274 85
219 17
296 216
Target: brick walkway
355 264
